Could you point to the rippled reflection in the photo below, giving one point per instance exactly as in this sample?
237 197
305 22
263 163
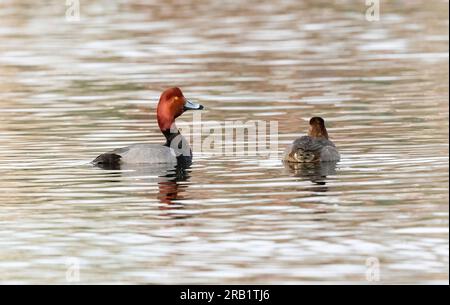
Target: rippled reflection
315 172
70 91
167 177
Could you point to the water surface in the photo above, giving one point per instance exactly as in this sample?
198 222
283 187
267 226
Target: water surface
72 90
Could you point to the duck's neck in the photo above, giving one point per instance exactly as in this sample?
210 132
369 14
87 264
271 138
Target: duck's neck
317 132
170 134
178 143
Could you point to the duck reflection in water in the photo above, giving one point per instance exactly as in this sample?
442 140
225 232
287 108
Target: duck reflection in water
315 172
170 189
167 176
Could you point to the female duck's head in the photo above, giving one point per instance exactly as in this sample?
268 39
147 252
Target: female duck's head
317 128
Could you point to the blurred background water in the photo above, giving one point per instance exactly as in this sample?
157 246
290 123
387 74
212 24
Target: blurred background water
72 90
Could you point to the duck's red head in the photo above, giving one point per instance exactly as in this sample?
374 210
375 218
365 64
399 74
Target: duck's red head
171 105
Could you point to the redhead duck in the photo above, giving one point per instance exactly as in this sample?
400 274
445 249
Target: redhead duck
315 147
176 150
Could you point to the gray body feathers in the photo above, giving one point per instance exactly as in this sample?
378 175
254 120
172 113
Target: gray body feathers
139 154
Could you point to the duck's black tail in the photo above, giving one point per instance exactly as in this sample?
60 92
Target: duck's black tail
107 160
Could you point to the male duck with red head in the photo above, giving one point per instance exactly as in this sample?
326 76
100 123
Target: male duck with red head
315 147
176 150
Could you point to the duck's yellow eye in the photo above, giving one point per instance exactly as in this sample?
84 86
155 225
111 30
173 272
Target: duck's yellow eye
176 98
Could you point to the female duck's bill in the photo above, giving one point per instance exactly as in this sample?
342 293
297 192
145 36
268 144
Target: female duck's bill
315 147
176 150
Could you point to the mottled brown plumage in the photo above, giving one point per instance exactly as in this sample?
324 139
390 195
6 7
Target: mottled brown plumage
315 147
